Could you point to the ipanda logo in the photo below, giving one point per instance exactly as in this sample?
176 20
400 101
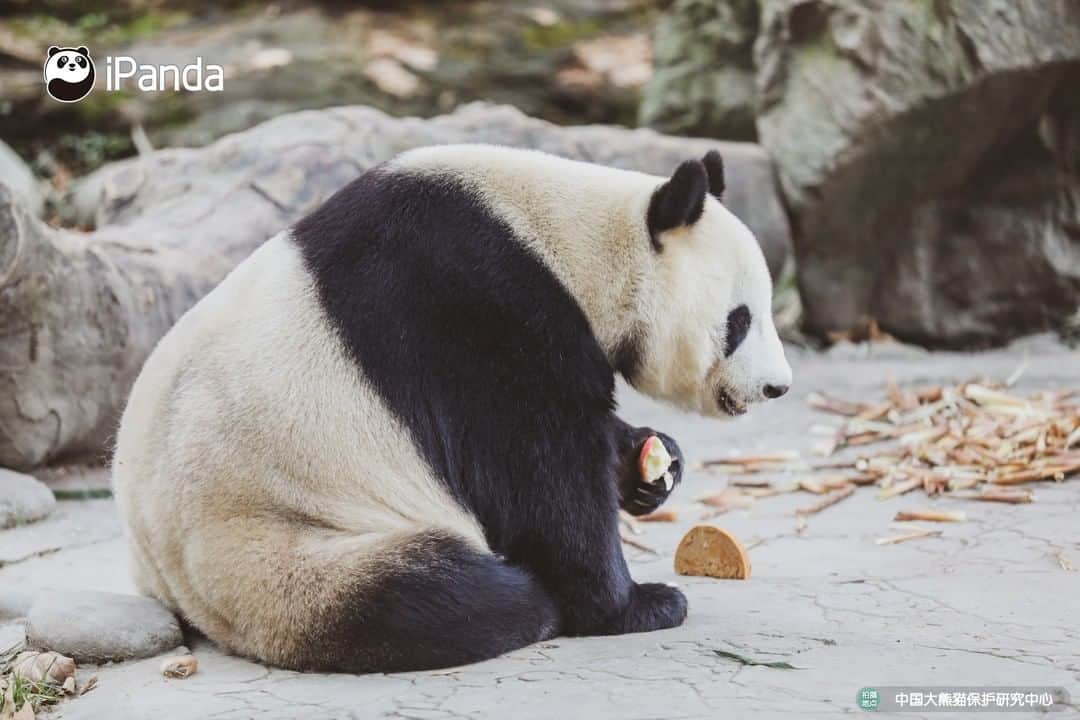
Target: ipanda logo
69 75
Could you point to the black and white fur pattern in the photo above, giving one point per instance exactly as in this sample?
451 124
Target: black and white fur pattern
69 73
387 440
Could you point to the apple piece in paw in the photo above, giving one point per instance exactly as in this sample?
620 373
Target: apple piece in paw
654 463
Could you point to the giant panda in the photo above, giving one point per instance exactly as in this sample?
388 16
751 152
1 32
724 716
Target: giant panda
387 441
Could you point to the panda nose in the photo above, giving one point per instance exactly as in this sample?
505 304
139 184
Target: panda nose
774 391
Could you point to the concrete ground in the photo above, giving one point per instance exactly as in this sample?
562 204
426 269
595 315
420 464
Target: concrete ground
992 602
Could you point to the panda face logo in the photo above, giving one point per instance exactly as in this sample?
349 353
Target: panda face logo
69 73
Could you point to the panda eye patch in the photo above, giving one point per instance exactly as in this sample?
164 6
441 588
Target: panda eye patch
81 61
738 325
62 60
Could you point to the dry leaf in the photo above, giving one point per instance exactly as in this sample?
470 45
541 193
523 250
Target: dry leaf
43 667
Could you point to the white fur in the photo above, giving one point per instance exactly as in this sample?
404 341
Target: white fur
588 223
252 454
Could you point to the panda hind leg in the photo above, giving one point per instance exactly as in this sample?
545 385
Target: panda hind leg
434 601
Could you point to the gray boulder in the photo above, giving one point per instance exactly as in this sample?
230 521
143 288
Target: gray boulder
23 499
18 176
96 627
14 603
930 155
703 80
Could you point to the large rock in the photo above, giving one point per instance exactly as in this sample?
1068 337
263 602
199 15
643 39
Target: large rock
14 603
23 499
703 80
80 311
98 627
930 154
17 176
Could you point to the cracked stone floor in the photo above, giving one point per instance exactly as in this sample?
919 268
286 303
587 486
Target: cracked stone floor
989 603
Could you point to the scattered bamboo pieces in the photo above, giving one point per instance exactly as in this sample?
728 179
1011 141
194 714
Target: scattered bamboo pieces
661 515
629 523
827 501
637 544
949 439
901 488
727 499
929 516
913 535
1010 496
754 460
975 440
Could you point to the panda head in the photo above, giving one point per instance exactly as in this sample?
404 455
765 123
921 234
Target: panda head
705 338
69 73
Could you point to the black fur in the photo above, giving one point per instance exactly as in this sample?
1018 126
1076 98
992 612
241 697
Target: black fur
629 354
714 168
678 202
492 366
738 325
437 603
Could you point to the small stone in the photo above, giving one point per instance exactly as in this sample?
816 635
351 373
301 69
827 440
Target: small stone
98 627
23 499
20 178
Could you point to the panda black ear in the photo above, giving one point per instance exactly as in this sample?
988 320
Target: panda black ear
82 50
53 50
714 166
678 202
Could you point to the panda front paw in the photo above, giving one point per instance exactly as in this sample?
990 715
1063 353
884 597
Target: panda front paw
639 495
